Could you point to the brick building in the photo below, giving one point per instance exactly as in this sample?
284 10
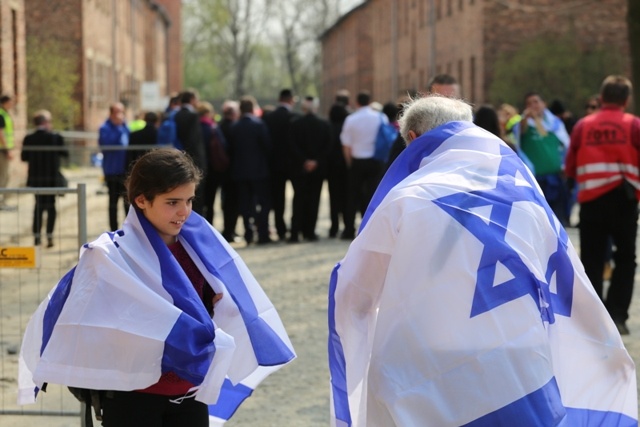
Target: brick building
12 61
116 45
391 47
174 45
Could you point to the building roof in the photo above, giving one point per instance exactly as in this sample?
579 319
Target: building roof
342 18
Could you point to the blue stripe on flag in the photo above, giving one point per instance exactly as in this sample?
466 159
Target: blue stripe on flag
54 308
543 407
189 347
592 418
337 365
409 161
268 347
233 398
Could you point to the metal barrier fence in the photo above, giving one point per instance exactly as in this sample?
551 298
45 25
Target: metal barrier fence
27 274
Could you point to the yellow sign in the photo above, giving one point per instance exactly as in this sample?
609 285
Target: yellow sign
17 257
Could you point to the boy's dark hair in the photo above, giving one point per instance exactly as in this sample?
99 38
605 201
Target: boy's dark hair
160 171
4 99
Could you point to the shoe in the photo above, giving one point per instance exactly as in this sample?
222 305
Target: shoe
50 243
293 239
311 238
37 241
348 235
333 233
265 241
622 328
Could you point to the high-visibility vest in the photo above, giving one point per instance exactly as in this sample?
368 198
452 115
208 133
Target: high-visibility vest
606 156
8 128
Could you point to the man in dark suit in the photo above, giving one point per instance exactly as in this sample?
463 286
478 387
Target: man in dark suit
278 122
337 168
148 135
310 144
44 171
189 134
250 149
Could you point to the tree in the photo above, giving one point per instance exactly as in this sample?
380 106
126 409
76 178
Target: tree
254 47
633 22
554 67
226 33
301 23
51 81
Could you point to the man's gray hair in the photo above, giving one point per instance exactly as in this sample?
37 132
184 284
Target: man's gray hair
423 114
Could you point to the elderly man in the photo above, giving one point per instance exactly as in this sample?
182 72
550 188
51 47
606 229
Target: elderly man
462 301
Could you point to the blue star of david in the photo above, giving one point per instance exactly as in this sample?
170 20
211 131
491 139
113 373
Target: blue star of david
497 250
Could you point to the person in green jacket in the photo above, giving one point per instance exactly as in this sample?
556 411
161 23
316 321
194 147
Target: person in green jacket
6 144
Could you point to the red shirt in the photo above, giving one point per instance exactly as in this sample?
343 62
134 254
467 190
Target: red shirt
170 384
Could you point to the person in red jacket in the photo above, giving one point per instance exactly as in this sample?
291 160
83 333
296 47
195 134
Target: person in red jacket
604 161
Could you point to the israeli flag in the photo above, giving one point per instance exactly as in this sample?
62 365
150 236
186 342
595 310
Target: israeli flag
128 313
462 302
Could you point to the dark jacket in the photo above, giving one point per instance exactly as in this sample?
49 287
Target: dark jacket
189 134
278 122
145 136
44 166
250 148
337 115
310 140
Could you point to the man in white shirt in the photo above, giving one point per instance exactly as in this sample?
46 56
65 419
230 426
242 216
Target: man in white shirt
358 138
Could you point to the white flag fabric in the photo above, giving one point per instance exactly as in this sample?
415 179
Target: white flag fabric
462 302
128 313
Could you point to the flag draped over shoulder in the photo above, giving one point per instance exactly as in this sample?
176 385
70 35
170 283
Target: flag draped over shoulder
128 313
462 302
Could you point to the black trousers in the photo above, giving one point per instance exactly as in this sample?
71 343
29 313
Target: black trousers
337 181
229 202
306 202
115 185
363 179
44 203
612 217
278 198
255 203
210 185
135 409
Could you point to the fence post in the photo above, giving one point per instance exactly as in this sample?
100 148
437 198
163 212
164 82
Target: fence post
82 214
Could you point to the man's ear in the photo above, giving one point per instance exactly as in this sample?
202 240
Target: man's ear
412 135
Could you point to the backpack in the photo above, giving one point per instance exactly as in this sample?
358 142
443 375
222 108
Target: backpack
387 134
168 132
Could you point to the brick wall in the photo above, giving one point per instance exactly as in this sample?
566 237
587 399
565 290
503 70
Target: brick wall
13 76
116 45
469 35
173 10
